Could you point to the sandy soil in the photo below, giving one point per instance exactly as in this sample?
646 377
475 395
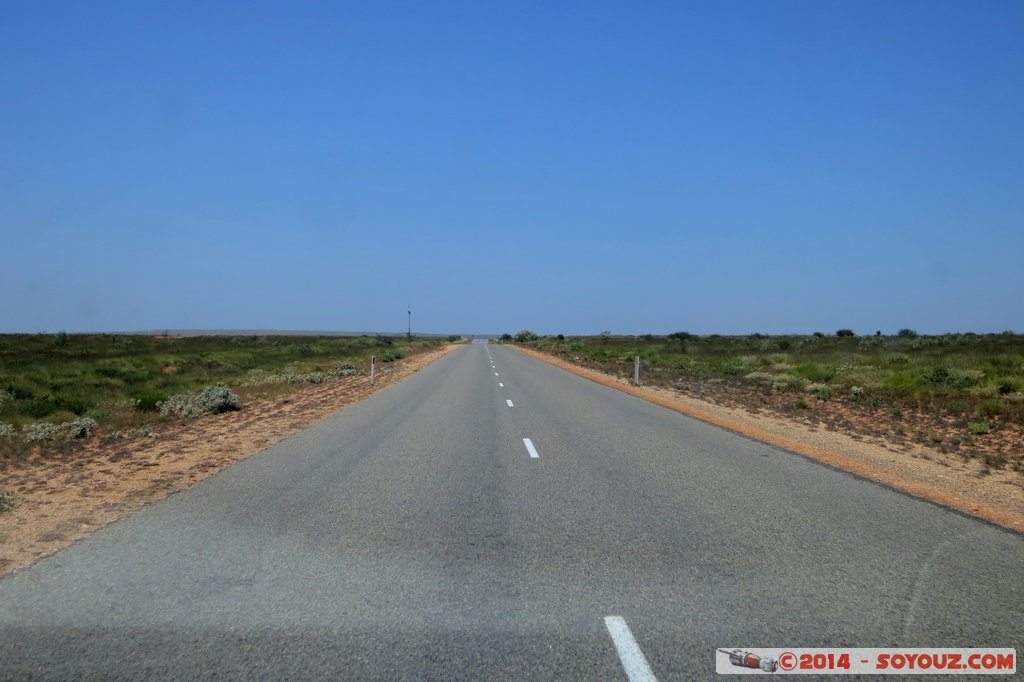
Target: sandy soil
64 498
964 484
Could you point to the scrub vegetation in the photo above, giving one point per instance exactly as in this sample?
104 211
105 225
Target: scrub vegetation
961 392
67 386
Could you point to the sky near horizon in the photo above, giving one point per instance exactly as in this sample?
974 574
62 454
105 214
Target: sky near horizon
568 167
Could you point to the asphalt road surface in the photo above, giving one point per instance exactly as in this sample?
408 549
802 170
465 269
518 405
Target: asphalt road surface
416 536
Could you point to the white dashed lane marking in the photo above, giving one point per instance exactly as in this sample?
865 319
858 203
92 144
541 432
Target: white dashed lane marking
633 660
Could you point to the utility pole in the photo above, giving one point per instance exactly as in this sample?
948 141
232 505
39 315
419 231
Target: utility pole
409 333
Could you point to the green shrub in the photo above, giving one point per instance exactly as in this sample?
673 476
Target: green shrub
844 332
8 500
149 401
1008 386
802 404
76 405
898 359
820 391
784 383
37 409
958 406
525 336
815 372
990 408
979 428
906 334
7 430
20 393
943 376
302 349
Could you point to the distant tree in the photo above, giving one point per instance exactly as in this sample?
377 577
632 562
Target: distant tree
525 336
560 337
906 333
505 338
60 339
845 332
878 333
681 338
819 335
605 336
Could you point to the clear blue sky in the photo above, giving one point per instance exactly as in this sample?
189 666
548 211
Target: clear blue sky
724 167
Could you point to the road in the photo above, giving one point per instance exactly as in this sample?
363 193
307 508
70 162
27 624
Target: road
414 536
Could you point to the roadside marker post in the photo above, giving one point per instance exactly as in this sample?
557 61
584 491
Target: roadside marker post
373 369
636 371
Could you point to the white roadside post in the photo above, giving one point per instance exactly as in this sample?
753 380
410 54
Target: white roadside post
373 369
636 371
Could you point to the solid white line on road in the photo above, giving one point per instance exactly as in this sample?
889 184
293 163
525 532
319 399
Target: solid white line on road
495 374
501 385
529 448
509 403
633 660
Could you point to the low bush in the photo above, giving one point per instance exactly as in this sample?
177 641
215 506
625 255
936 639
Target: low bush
82 427
990 408
8 500
979 428
820 391
944 376
38 409
784 383
7 430
39 432
149 401
211 400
